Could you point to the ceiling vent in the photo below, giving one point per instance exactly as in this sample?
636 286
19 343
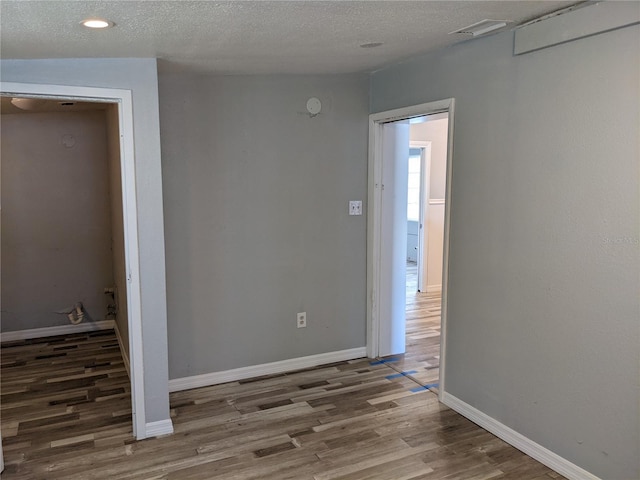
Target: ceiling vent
481 28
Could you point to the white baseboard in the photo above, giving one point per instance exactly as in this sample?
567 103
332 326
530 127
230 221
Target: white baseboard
215 378
434 288
57 330
123 351
519 441
162 427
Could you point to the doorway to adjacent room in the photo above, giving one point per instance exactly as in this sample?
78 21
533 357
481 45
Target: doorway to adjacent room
120 101
410 156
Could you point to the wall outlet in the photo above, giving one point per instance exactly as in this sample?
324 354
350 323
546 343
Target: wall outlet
302 320
355 207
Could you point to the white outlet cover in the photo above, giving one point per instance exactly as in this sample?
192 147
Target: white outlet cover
355 207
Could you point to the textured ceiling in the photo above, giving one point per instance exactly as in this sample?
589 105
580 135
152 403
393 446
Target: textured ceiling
250 37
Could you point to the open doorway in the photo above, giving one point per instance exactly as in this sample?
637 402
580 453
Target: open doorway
124 299
62 241
425 221
408 238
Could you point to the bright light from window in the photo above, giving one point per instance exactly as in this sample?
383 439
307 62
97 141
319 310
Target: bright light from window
413 191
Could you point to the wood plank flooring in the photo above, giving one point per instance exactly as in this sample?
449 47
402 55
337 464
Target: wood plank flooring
421 361
66 415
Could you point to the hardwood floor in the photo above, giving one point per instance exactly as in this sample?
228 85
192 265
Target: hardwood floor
66 415
421 361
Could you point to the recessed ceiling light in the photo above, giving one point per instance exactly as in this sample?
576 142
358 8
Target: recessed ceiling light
97 23
370 45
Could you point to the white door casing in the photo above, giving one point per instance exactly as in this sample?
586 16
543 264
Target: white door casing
377 296
423 244
123 99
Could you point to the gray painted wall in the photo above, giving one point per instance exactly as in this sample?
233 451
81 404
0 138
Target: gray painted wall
543 328
140 76
256 213
56 228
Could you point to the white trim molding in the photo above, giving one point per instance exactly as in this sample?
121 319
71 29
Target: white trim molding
162 427
374 216
434 288
56 330
123 350
436 201
215 378
124 100
517 440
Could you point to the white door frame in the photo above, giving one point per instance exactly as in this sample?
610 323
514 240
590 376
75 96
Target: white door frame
374 215
123 99
423 212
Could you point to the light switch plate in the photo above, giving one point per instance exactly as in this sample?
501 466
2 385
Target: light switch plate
355 207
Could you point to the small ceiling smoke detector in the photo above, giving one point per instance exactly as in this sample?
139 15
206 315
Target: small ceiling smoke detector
97 23
481 28
314 106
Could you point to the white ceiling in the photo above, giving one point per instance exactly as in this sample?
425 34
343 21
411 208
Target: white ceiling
250 37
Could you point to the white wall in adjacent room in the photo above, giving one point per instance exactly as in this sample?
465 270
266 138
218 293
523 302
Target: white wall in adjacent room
434 131
56 223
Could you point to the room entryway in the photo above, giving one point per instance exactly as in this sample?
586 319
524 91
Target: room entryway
114 296
408 238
